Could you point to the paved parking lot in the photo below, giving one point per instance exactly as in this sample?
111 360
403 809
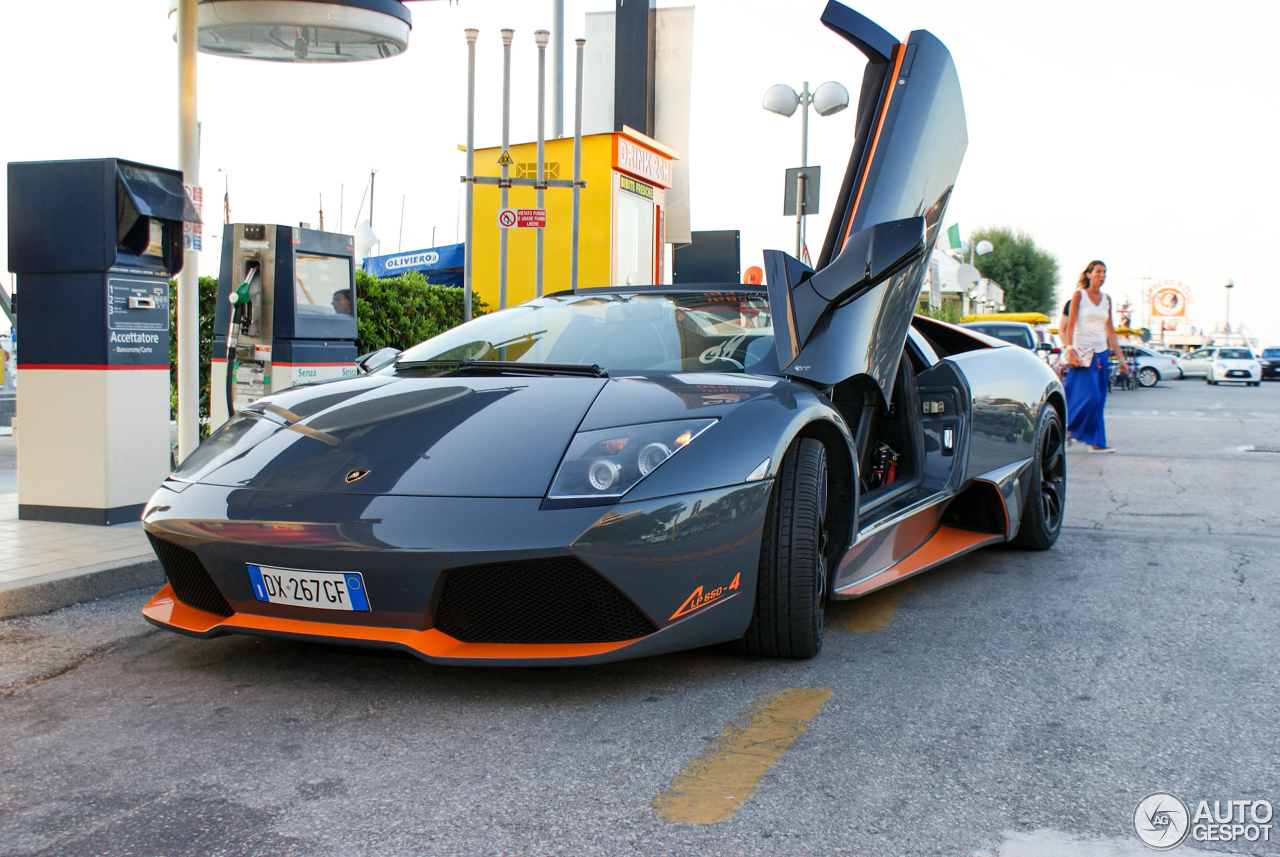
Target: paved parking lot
1007 703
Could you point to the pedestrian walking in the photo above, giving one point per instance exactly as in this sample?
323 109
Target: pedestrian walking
1087 337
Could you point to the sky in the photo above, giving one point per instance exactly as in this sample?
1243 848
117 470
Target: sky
1140 133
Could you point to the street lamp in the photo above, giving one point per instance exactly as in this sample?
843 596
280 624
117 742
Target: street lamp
982 248
1231 284
829 98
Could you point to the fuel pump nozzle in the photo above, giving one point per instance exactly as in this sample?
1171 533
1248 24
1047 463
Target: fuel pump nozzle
239 300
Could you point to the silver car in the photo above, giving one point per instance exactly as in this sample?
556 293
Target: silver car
1150 367
1197 363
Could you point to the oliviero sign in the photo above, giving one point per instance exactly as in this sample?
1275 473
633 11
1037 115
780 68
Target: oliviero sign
410 260
638 161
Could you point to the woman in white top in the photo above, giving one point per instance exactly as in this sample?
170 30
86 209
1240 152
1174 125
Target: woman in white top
1086 339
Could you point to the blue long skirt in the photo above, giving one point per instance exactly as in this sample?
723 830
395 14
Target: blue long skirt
1086 388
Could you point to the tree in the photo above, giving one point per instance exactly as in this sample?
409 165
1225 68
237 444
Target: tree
1027 274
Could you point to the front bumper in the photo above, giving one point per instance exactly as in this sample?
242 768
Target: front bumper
665 556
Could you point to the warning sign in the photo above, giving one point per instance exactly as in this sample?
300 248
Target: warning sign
505 159
522 218
192 232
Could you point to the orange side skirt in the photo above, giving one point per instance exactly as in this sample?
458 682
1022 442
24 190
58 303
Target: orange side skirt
947 543
165 609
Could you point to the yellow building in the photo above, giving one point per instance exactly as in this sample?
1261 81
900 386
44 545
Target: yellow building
620 222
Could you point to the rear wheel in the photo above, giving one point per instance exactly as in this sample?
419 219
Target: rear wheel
791 584
1047 497
1148 376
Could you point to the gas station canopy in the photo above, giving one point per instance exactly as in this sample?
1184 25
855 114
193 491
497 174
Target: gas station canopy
302 30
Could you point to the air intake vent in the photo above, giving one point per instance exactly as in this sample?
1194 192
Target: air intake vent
189 579
541 601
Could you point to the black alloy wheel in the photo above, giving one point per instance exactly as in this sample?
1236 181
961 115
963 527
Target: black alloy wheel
1047 496
1148 376
792 578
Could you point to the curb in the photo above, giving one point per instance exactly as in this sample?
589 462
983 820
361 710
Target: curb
50 592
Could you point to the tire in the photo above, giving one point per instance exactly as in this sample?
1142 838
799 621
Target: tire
791 583
1047 496
1148 376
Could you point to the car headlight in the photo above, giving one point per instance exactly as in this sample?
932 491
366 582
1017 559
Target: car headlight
1219 366
608 463
1253 367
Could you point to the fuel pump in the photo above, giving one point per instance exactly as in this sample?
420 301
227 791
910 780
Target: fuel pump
94 243
287 304
243 307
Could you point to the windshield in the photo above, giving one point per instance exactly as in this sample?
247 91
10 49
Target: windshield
1234 354
717 332
1271 352
1015 335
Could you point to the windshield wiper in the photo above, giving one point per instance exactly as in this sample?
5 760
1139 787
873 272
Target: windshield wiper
507 367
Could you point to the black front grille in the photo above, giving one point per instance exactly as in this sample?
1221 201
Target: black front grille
189 579
541 601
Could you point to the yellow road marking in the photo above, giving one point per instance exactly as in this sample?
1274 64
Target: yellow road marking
873 612
714 785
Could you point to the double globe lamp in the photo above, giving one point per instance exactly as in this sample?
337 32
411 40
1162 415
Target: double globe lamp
828 99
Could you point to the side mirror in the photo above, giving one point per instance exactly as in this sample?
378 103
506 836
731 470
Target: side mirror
375 360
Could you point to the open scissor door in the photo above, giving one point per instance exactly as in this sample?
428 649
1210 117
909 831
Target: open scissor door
850 317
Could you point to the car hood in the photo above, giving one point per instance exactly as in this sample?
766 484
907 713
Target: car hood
452 437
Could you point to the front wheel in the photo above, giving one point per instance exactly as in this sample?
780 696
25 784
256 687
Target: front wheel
1047 496
1148 376
791 582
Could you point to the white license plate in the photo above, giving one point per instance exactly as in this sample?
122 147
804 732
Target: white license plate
326 590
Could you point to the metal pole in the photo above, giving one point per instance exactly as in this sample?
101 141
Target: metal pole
189 276
801 208
372 174
577 169
400 240
540 37
799 216
557 68
506 142
471 171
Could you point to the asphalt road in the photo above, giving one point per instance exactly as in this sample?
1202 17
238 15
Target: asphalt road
1007 703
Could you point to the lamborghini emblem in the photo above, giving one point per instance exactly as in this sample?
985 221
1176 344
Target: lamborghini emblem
356 476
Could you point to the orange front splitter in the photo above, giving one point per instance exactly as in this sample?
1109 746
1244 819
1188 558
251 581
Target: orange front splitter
164 609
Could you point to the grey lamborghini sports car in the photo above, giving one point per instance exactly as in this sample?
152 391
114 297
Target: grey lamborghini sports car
617 472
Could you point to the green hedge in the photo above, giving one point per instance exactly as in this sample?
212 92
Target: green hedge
403 311
398 311
208 300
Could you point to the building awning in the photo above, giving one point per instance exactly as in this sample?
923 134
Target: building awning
1024 317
